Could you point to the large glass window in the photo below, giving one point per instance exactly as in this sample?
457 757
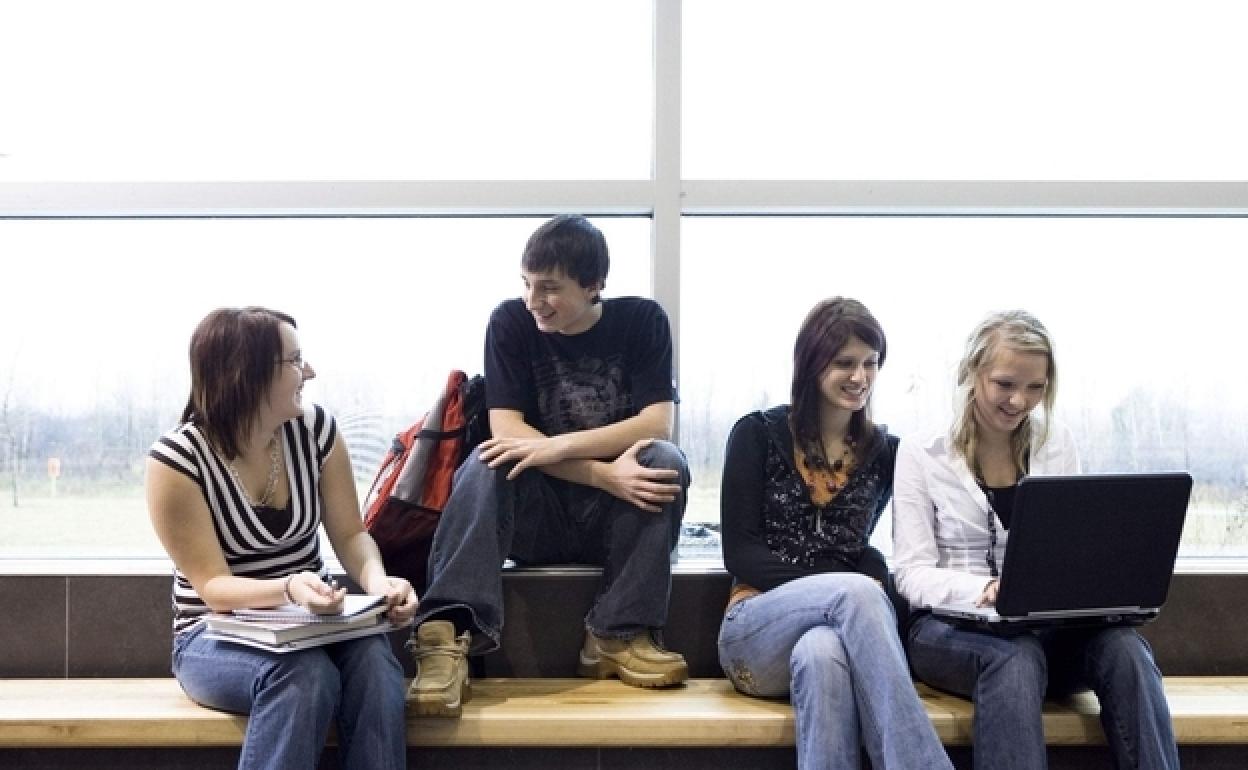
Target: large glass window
1116 89
339 143
1143 326
310 89
97 315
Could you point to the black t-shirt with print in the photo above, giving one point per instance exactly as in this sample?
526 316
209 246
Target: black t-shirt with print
567 383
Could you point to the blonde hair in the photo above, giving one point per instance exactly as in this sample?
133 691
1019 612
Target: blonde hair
1021 332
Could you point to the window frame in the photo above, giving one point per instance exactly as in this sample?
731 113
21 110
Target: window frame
667 198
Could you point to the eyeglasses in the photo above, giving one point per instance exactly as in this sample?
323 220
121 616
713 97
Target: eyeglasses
296 360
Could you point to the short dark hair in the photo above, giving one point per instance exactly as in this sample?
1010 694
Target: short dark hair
827 329
233 352
568 242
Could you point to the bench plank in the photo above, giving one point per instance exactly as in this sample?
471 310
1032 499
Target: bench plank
109 713
556 712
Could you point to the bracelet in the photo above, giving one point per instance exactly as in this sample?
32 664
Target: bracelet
286 590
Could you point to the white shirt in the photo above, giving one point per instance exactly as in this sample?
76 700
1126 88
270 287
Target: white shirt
941 517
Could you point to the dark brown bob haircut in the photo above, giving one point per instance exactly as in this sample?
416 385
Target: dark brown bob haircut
828 328
233 352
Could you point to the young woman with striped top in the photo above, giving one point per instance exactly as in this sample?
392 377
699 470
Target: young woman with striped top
237 494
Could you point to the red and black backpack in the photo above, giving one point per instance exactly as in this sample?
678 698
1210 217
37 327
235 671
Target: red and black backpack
412 485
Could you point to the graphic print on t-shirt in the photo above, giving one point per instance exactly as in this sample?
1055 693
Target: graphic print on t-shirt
582 394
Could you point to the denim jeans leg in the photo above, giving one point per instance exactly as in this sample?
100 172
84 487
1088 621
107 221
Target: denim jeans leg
1006 677
290 698
475 535
636 553
830 642
372 728
1135 715
822 693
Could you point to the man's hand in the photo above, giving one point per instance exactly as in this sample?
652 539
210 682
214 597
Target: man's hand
524 452
632 482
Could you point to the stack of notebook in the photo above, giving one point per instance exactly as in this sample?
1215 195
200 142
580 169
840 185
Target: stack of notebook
290 627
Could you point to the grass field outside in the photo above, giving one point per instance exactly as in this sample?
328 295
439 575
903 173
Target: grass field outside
114 525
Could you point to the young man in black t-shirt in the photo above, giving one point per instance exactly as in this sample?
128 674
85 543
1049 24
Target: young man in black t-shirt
581 401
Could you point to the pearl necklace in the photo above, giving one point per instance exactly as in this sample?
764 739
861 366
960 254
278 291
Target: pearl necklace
270 486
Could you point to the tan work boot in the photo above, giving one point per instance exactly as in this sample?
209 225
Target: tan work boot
637 661
441 685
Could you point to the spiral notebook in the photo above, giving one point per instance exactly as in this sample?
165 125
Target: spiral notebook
334 634
290 627
353 606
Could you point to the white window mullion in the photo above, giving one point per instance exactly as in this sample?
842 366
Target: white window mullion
665 255
324 198
965 198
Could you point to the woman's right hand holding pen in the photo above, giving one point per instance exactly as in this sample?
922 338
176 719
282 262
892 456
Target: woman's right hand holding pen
309 591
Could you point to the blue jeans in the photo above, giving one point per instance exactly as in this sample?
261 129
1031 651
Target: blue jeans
536 519
830 643
291 699
1008 678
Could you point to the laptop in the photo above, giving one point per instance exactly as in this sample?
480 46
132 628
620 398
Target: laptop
1091 549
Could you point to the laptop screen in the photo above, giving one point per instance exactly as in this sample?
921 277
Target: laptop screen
1093 541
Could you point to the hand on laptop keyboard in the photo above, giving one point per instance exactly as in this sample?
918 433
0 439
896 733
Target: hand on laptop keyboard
989 597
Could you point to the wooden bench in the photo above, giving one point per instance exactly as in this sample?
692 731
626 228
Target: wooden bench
136 713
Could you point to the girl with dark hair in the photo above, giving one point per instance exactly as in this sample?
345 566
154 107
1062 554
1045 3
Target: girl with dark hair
808 616
237 495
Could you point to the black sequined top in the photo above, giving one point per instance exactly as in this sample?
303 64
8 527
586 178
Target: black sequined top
773 532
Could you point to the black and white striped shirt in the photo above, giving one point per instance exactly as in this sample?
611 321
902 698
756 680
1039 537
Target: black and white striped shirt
250 549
